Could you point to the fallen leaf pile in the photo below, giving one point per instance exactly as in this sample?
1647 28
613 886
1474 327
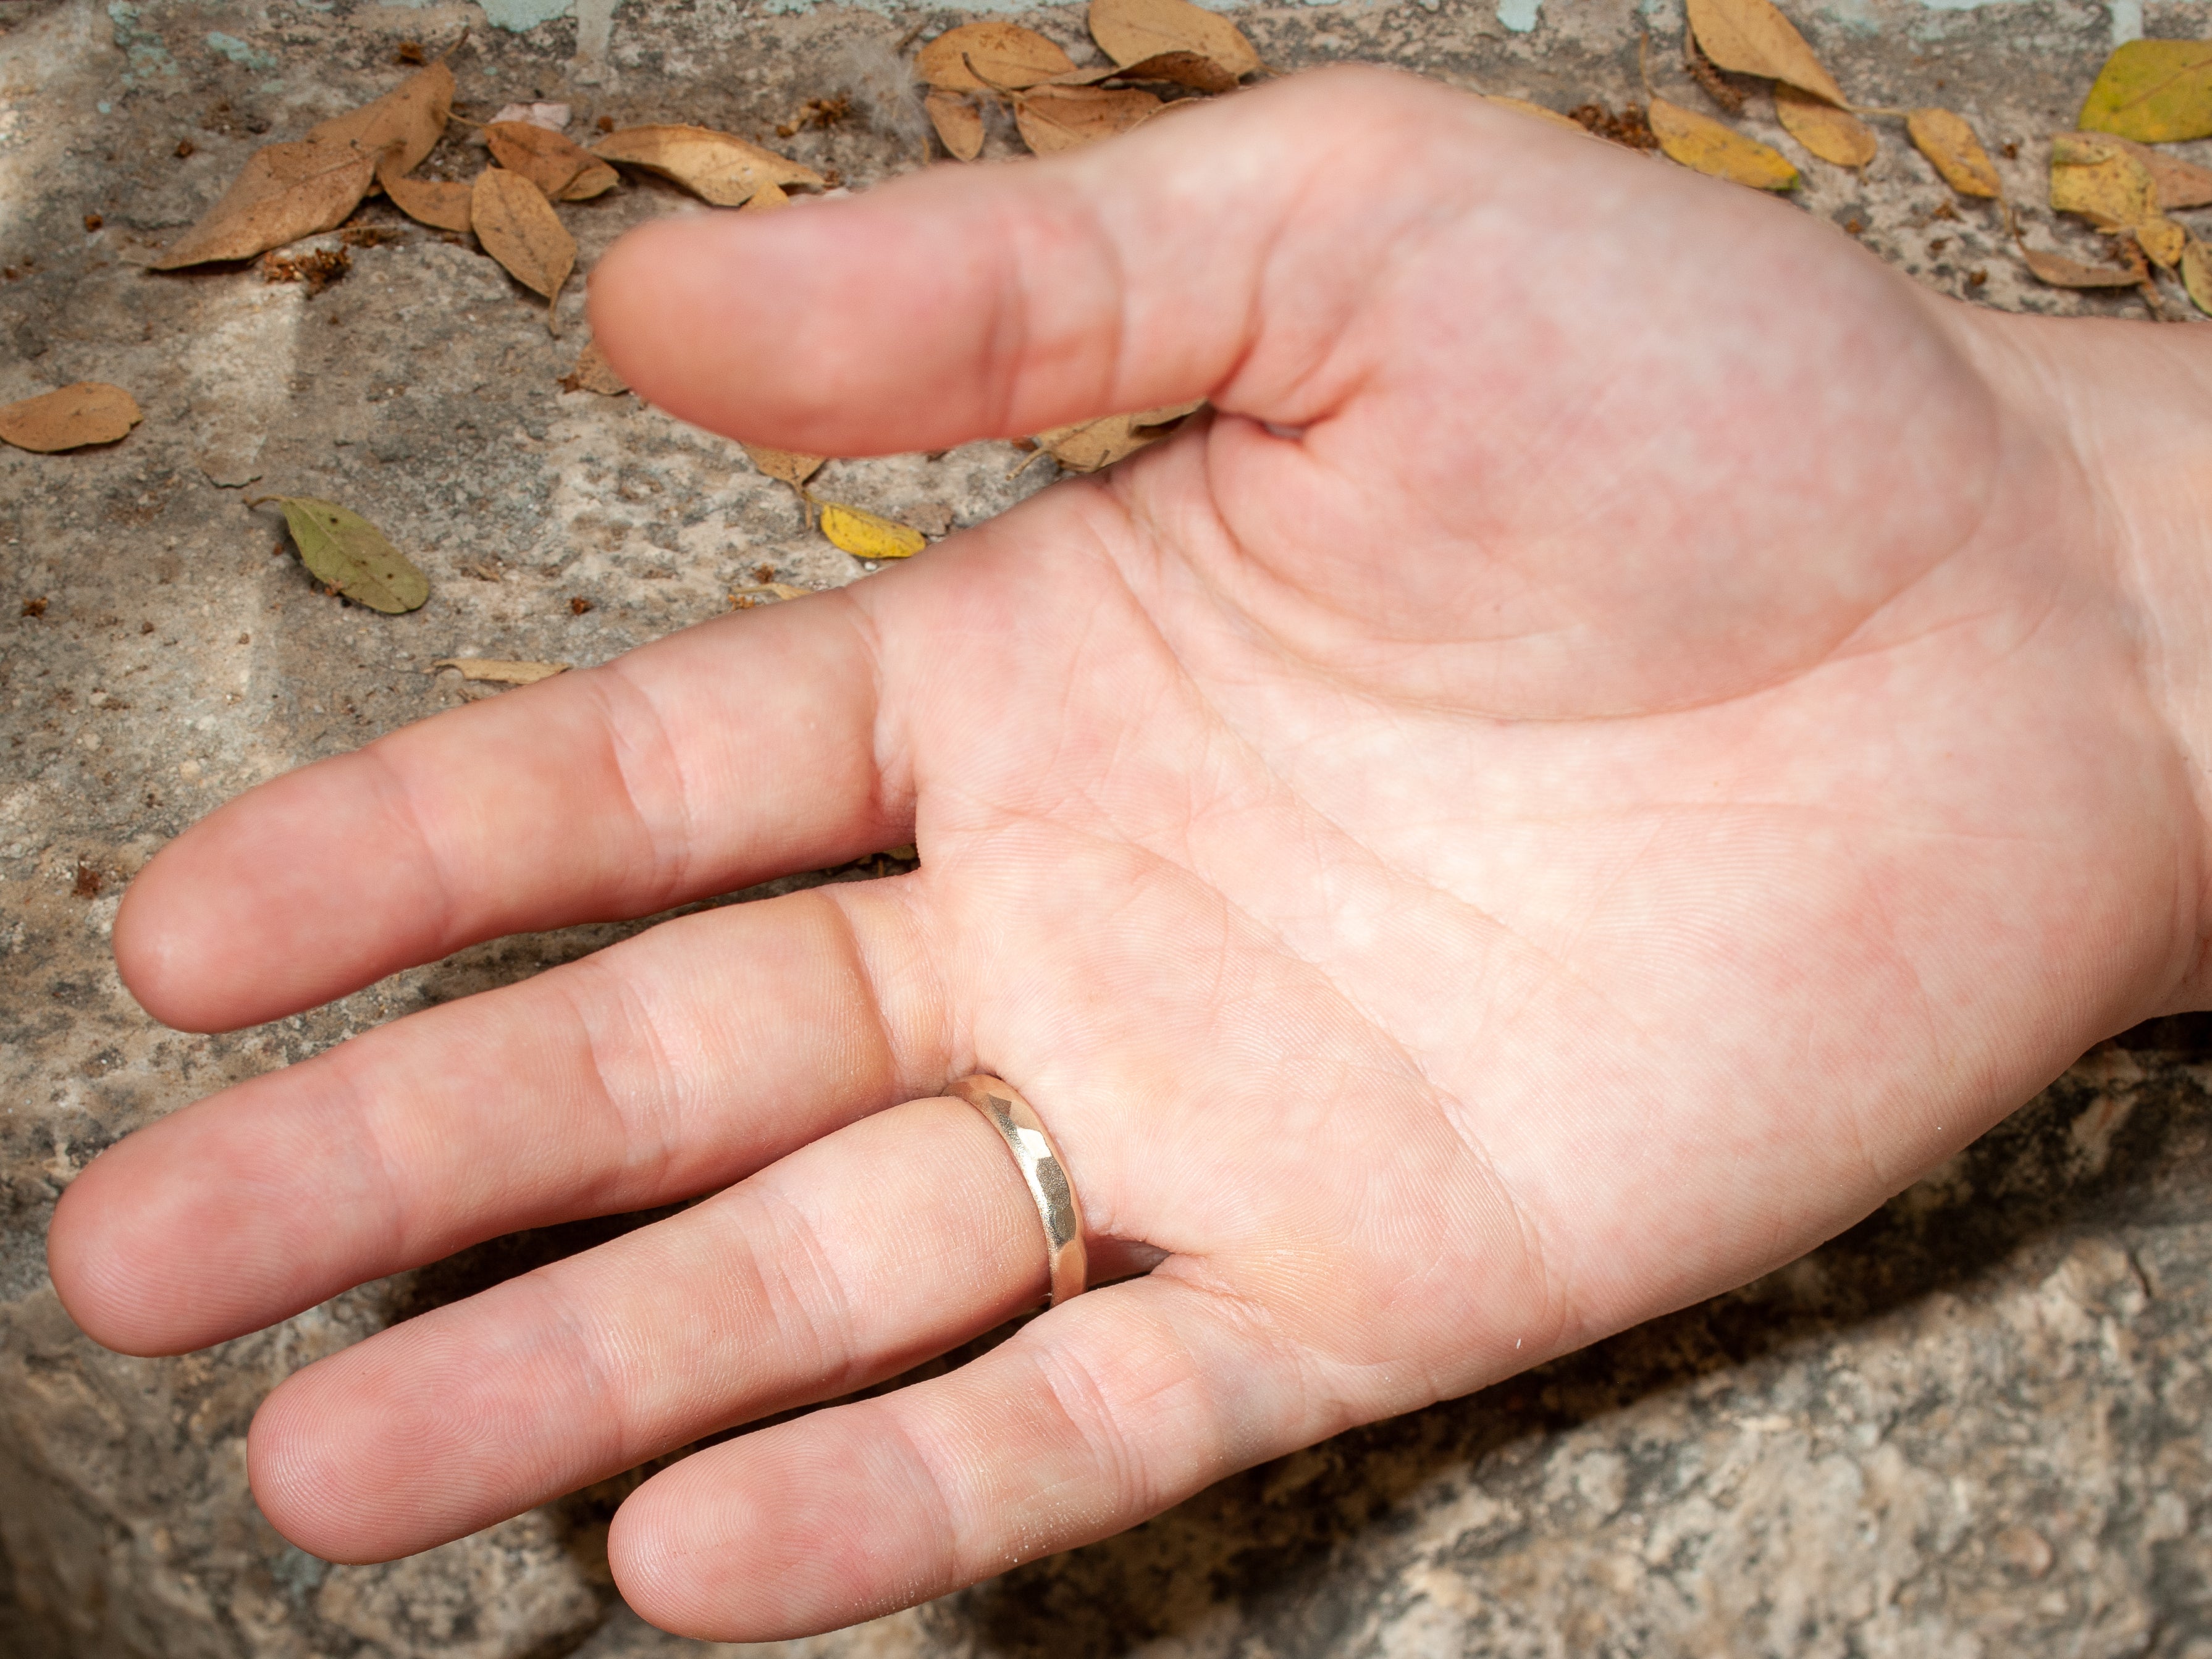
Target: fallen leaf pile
1059 106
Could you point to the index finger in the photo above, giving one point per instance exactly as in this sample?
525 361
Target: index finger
735 751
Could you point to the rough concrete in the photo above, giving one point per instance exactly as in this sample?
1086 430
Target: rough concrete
1975 1424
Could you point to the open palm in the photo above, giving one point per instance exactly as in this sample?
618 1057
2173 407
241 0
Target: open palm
1610 750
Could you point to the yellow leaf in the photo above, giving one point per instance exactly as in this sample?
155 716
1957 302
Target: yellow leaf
2163 240
501 672
1055 119
89 412
518 228
1522 107
1752 38
1700 143
2180 183
1004 56
718 167
1951 147
2092 176
1131 31
1834 135
2154 91
868 535
959 124
2196 275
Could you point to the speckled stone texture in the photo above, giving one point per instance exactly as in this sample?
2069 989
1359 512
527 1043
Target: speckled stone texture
1976 1424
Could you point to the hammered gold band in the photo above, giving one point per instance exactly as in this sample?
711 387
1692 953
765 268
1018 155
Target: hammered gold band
1038 1159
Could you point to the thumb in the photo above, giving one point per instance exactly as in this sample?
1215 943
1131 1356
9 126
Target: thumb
1195 257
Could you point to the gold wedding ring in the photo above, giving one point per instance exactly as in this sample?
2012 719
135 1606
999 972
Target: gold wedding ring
1038 1159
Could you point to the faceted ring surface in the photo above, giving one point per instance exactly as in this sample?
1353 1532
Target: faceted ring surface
1038 1159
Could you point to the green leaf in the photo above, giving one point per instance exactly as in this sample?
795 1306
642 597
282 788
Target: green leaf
2153 92
350 554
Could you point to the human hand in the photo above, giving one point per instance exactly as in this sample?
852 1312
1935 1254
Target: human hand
1672 731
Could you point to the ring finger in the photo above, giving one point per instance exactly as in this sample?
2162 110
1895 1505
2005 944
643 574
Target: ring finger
850 1260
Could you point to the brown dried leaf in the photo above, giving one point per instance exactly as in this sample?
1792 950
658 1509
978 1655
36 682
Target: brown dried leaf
718 167
1705 145
1522 107
1834 135
1055 119
89 412
500 671
1004 55
2061 272
958 122
564 169
1193 70
766 199
283 193
411 116
789 465
2180 183
1752 38
1951 147
518 228
1130 32
2090 175
428 201
593 372
1089 444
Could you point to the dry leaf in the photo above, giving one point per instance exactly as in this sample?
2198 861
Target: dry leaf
428 201
565 170
1131 31
2196 275
1752 38
2093 177
593 372
518 228
2163 240
773 590
719 166
1834 135
2154 91
868 535
351 555
1089 444
1522 107
1193 70
2180 183
89 412
1004 55
1699 142
1055 119
412 116
2061 272
1950 146
958 122
283 193
500 671
789 465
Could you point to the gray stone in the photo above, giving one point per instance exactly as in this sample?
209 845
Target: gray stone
1977 1424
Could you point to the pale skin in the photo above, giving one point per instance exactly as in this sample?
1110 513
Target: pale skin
1632 731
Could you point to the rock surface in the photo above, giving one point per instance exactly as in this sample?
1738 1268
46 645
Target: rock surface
1975 1424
